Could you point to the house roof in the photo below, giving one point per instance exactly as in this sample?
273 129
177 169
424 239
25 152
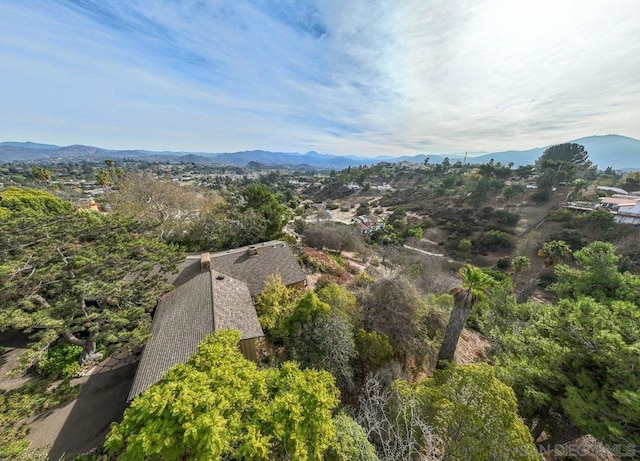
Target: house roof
211 298
183 318
273 257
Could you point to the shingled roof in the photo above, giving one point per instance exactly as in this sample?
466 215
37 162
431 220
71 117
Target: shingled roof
211 298
254 264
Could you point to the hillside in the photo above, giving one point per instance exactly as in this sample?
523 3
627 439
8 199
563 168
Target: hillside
619 152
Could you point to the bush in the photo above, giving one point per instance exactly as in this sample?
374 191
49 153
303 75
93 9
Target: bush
561 215
571 237
60 361
506 218
496 240
504 264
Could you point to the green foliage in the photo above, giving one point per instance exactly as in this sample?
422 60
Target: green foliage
579 359
554 251
351 442
373 350
341 299
79 273
475 285
318 336
224 227
521 263
572 238
274 305
496 240
394 307
562 162
601 220
630 182
464 246
32 201
561 215
219 406
506 218
261 200
474 414
597 276
61 361
41 173
363 209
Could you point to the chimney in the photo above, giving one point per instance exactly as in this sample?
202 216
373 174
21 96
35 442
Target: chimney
205 261
252 251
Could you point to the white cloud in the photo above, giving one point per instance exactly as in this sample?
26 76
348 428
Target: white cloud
346 77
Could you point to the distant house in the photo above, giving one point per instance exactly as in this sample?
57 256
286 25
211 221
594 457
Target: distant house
628 214
213 292
367 224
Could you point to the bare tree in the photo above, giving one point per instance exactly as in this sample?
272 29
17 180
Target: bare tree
395 425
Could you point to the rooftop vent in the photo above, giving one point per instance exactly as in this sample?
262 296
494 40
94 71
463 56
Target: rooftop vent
252 251
220 277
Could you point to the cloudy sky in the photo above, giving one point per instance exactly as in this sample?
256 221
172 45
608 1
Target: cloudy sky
355 77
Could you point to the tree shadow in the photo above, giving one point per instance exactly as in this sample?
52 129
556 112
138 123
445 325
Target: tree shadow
101 401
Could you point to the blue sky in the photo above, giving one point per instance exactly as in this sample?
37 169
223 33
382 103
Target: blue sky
355 77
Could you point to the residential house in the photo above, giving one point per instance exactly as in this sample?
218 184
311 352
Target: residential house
367 224
212 292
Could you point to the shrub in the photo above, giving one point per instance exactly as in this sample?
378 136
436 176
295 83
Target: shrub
561 215
495 240
60 361
506 218
503 264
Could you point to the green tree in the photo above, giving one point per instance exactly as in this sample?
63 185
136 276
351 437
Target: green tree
475 284
88 277
630 182
597 276
104 178
321 337
220 406
562 162
576 359
274 305
15 201
351 442
473 414
554 251
225 227
520 264
41 173
258 198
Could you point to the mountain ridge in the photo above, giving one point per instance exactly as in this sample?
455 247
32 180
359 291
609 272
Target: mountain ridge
619 152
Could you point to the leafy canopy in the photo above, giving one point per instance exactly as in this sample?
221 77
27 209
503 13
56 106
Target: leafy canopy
473 413
220 406
89 277
579 358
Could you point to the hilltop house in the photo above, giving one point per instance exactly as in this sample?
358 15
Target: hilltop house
212 292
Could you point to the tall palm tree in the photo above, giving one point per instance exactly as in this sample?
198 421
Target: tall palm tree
475 284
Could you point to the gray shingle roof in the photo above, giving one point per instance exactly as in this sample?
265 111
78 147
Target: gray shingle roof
274 257
182 320
205 300
233 307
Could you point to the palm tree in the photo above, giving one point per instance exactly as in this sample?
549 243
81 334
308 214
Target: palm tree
554 251
475 285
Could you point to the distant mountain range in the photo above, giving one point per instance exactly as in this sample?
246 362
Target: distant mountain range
616 151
